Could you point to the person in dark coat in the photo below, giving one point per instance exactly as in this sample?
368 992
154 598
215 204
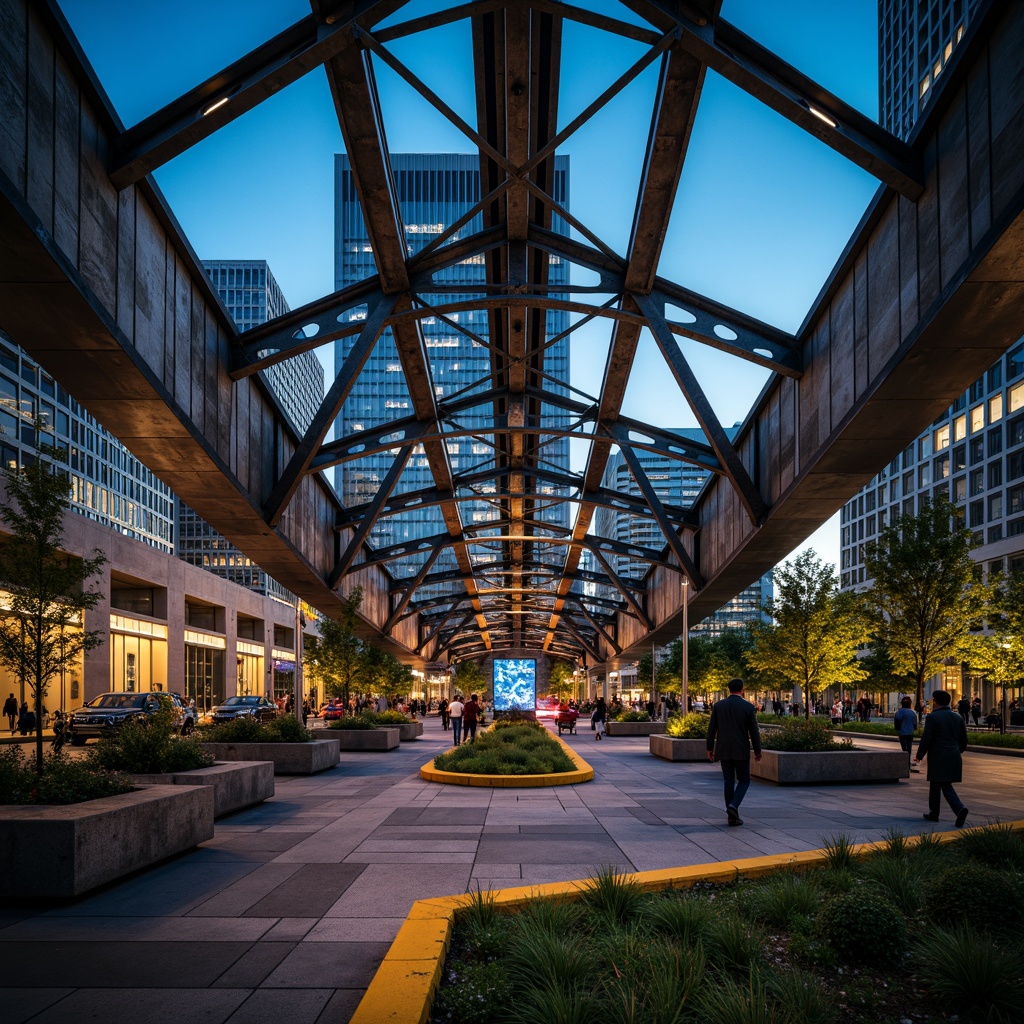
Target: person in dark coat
732 733
599 718
944 741
11 711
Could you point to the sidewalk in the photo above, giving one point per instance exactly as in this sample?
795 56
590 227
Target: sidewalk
286 912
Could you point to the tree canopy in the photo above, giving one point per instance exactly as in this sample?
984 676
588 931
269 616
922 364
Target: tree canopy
42 627
926 593
816 630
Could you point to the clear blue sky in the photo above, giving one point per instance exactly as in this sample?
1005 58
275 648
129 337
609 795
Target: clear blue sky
763 210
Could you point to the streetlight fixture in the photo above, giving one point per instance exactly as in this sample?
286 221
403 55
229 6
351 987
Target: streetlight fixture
684 683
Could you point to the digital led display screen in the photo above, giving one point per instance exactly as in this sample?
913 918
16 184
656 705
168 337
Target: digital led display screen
515 684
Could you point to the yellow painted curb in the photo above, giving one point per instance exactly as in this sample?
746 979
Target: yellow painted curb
403 988
583 773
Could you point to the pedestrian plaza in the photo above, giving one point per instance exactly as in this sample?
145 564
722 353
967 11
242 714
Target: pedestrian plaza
287 912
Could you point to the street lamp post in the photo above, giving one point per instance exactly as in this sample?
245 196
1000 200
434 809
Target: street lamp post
684 683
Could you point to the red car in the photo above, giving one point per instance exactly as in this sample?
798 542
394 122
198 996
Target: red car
332 711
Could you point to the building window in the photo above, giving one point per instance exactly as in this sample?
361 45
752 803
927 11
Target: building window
1015 363
959 458
977 418
995 474
995 408
1014 502
995 507
924 475
942 438
976 513
959 428
977 450
977 482
942 468
995 441
960 489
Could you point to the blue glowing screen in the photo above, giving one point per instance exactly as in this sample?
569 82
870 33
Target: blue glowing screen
515 684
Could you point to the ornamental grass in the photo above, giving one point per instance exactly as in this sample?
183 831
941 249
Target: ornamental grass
842 944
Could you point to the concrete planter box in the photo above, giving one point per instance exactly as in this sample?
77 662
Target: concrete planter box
235 784
66 850
287 758
408 731
635 728
385 737
791 768
671 748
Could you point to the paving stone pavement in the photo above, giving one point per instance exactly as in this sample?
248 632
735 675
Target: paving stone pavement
285 914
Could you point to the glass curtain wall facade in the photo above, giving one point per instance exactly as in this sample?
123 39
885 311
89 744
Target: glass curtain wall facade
435 190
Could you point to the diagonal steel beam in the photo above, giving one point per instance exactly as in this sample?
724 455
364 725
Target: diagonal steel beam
675 542
756 506
370 517
627 594
396 613
285 488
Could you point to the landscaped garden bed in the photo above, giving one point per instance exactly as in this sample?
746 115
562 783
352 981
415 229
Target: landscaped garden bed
845 935
355 731
685 738
235 784
292 749
510 753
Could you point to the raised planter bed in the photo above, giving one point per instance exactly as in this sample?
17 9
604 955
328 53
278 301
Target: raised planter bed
287 758
792 768
386 737
66 850
672 748
235 784
408 731
635 728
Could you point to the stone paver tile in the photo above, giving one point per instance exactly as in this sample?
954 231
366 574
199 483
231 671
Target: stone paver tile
170 1005
380 892
310 891
272 1006
355 929
238 898
147 964
332 964
253 966
578 828
136 929
505 870
289 929
341 1006
410 858
440 814
21 1004
373 846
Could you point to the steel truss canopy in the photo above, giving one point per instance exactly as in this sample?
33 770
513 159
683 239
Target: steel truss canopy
97 282
518 579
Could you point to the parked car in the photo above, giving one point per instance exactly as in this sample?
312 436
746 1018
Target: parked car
332 711
259 708
112 710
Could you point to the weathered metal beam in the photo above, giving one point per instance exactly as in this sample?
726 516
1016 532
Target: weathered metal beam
396 612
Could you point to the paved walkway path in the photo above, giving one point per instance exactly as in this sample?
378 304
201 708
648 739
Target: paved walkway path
284 915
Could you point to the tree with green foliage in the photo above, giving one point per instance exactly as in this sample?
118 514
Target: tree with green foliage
926 593
561 682
470 678
816 630
392 677
336 657
42 630
1000 652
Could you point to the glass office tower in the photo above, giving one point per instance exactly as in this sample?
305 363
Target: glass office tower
434 190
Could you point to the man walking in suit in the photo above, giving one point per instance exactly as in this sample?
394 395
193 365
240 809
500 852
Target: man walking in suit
944 741
734 726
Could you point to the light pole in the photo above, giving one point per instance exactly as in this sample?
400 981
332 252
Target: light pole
684 683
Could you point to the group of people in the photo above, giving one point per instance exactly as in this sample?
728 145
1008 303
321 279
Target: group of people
22 718
462 717
733 733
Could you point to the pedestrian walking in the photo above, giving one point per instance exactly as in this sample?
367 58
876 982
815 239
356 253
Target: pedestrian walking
837 712
470 717
11 711
905 722
943 743
732 734
442 710
599 718
976 711
26 719
455 708
864 708
963 708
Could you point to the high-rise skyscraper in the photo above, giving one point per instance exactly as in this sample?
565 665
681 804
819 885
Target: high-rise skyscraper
676 484
434 190
252 296
916 39
973 454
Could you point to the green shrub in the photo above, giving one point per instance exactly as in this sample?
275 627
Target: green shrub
971 974
838 851
864 927
733 944
732 1002
514 750
474 993
801 999
613 896
997 845
899 880
782 898
149 746
363 721
874 728
967 892
688 727
810 735
631 716
681 917
285 729
64 780
387 717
